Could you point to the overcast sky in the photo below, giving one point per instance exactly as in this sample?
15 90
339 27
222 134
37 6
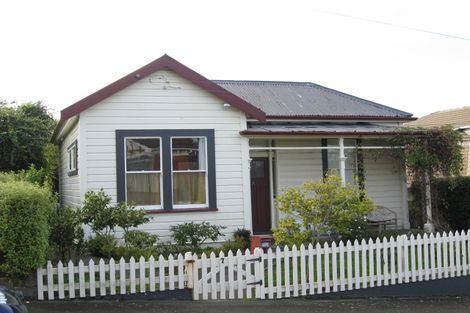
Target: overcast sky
61 51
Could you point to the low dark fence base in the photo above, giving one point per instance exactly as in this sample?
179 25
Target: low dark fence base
459 286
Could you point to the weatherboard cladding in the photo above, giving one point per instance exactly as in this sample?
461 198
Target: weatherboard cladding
305 99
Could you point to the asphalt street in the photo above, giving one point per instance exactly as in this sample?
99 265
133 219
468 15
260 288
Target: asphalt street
429 305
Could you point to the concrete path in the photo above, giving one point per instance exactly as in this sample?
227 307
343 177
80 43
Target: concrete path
444 305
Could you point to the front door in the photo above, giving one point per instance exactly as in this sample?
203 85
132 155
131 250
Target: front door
260 198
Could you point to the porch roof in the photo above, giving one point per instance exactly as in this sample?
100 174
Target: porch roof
319 129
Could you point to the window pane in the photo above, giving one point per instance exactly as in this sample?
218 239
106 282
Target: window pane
189 154
189 188
143 154
143 188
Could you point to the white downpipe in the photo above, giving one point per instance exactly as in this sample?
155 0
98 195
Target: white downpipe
342 162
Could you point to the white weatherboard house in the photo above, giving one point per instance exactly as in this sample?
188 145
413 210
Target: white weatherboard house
186 148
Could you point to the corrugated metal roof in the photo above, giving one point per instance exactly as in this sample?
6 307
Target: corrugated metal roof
298 99
312 128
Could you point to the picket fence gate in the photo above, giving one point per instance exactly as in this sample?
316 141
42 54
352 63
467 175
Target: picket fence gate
278 273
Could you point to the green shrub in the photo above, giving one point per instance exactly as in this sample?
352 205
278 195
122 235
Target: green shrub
193 235
103 246
243 234
450 199
321 208
140 239
237 243
167 248
66 236
24 228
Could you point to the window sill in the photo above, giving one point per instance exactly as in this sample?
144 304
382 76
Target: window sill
161 211
72 173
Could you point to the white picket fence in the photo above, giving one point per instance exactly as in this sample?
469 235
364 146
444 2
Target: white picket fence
279 273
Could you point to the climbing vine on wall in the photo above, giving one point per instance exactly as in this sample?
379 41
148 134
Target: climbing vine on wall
428 153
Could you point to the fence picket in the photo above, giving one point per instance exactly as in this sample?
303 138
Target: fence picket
406 262
458 256
342 275
132 275
213 276
91 278
463 238
303 270
249 273
40 283
427 271
122 276
319 269
385 251
270 274
239 275
181 277
196 284
432 252
259 273
371 262
364 263
102 277
286 272
152 273
295 275
413 246
311 272
112 277
451 255
357 273
326 266
393 265
161 273
445 254
50 281
81 278
71 277
171 272
349 267
222 265
439 255
60 280
419 254
334 266
231 283
142 276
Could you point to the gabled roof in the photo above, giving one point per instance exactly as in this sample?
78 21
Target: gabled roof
456 117
297 100
164 62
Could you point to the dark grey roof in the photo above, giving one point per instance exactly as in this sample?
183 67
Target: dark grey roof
298 99
312 128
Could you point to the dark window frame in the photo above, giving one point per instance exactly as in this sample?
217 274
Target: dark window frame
166 135
74 147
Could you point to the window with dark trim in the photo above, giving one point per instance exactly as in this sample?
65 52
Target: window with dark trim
72 156
166 169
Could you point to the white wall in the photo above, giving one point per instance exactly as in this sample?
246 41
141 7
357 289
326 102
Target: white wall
152 103
69 186
294 167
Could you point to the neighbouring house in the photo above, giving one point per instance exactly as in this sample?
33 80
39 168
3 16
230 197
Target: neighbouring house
186 148
457 118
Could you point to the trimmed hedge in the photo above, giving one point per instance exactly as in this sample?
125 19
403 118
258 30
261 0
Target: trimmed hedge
450 197
24 229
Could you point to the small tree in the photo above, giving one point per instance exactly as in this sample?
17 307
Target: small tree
320 207
429 152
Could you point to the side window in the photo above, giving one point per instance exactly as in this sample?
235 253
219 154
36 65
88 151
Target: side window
72 156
